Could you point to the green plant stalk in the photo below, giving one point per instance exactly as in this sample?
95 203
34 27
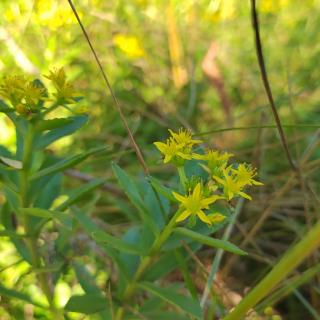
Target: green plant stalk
156 247
31 241
217 260
146 262
288 263
183 177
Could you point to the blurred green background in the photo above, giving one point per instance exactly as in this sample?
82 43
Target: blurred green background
181 63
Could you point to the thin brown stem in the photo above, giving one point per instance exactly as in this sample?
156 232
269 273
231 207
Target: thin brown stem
114 98
265 80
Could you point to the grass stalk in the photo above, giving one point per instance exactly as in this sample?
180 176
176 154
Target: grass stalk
287 264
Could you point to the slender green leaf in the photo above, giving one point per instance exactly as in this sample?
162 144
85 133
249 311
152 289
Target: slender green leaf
111 241
80 192
87 303
64 219
11 234
166 192
67 163
15 164
289 261
289 286
44 125
89 285
131 191
216 243
10 293
184 303
4 107
43 141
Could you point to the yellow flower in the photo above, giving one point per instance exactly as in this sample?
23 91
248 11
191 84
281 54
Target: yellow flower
171 150
65 89
33 94
245 174
58 77
129 45
23 94
214 158
184 138
231 186
194 203
12 88
178 147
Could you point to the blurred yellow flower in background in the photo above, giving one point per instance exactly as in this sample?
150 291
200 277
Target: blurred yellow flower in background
129 45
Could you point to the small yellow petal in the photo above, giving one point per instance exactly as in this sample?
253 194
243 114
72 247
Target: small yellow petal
197 191
160 145
179 197
219 180
203 217
256 183
184 215
244 195
205 202
216 217
199 156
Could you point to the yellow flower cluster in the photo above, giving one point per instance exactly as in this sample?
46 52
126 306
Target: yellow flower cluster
65 91
178 147
24 95
27 97
224 182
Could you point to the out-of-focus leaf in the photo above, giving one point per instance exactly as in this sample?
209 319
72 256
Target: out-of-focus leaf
48 191
44 125
64 219
76 194
57 133
111 241
216 243
89 226
131 191
166 192
87 303
10 293
4 107
89 285
184 303
15 164
66 163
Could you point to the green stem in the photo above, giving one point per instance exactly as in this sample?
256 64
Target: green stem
146 262
217 260
183 177
287 264
31 241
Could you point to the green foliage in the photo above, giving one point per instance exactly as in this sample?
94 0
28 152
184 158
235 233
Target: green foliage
83 233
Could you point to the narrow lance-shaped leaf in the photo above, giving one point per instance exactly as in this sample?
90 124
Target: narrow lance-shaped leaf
287 264
216 243
78 193
50 124
66 163
111 241
46 139
10 293
184 303
14 164
87 303
64 219
131 191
